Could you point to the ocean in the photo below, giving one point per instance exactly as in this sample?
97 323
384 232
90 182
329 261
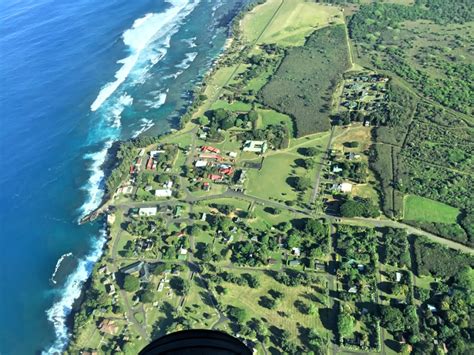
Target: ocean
75 76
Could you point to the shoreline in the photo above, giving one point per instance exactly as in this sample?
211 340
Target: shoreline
111 162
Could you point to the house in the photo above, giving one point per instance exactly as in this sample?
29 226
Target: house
163 193
127 190
182 254
294 263
206 148
108 326
147 211
296 251
206 186
149 163
352 156
353 289
177 212
110 218
226 171
346 187
215 177
242 176
161 286
255 146
398 276
200 163
432 308
272 261
336 169
210 156
203 217
132 268
233 155
154 153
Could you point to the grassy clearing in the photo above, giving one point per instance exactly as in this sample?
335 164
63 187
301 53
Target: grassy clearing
235 106
270 117
271 182
293 22
418 208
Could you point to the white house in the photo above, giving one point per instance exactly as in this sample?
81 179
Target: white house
163 193
200 163
255 146
346 187
296 251
233 154
154 153
147 211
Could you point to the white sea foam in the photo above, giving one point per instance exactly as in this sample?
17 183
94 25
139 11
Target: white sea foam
115 112
151 27
58 264
59 312
186 63
157 102
94 185
146 124
191 42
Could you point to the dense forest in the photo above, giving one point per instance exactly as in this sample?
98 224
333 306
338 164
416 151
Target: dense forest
435 60
302 86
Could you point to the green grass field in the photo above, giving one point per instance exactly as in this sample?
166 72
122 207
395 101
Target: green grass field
291 21
271 180
235 106
423 209
270 117
248 298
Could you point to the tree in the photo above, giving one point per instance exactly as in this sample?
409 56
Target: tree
302 183
361 207
239 314
293 240
252 116
203 121
180 285
465 278
392 319
147 297
252 280
312 309
316 341
314 227
309 163
310 151
345 324
131 283
352 144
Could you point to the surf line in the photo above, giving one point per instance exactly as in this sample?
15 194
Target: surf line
58 264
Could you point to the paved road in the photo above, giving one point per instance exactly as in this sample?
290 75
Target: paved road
410 229
324 158
372 222
130 312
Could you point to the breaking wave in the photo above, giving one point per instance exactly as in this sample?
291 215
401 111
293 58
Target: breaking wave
71 291
58 264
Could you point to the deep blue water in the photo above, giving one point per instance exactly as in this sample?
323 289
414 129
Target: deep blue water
63 100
